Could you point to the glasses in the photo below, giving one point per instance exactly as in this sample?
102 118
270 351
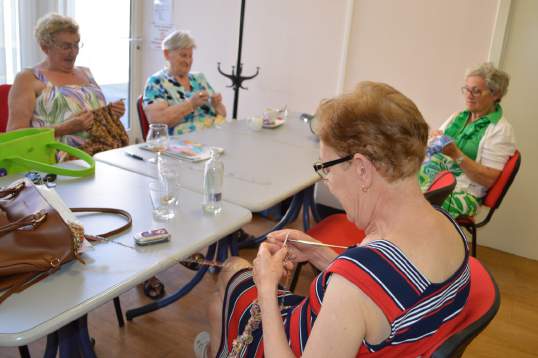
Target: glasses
323 168
474 91
48 180
67 46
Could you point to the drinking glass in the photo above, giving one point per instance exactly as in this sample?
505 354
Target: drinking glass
157 139
163 202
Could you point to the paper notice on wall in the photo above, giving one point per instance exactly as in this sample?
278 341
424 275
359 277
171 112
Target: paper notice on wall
162 12
162 23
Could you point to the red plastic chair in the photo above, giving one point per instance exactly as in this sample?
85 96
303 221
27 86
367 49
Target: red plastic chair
481 307
144 124
337 230
493 198
4 109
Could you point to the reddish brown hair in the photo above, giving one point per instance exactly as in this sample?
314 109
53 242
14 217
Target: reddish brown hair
379 122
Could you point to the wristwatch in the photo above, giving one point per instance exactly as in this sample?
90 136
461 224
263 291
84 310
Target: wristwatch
460 159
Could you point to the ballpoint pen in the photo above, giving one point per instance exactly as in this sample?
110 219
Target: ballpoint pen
134 156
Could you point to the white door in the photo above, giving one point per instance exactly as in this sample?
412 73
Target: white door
109 32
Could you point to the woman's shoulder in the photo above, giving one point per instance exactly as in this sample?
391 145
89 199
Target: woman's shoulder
157 77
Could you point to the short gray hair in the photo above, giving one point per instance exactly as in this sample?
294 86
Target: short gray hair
496 80
178 39
51 24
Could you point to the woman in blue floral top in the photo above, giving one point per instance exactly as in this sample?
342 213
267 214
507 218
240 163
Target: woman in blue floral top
175 96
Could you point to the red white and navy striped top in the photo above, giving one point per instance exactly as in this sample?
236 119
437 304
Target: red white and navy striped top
414 306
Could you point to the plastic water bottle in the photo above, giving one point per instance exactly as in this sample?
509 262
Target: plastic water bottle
212 186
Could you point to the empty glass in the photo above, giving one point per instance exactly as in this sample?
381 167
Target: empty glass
162 200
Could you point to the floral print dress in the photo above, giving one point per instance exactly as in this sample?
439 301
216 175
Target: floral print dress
56 104
162 86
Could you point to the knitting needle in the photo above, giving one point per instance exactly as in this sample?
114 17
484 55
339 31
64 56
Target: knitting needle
314 243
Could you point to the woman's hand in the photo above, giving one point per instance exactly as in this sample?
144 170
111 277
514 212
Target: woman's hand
296 252
118 108
216 99
452 151
80 122
269 268
199 98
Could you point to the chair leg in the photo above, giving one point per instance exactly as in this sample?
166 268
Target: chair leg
24 352
473 235
119 314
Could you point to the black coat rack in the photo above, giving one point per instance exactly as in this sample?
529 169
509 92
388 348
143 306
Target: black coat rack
235 76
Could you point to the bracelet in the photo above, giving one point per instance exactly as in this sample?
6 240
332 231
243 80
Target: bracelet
459 159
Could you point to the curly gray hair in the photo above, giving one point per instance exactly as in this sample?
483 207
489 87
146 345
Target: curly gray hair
51 24
178 39
496 80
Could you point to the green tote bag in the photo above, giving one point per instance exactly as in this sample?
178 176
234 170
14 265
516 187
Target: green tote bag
35 149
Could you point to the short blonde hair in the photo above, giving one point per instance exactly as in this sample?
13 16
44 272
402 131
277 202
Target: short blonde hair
177 40
497 80
379 122
51 24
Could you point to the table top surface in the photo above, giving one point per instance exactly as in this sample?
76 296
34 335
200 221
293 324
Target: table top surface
261 168
110 269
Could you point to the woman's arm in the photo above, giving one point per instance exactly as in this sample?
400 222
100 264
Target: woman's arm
21 101
172 115
341 324
477 172
268 269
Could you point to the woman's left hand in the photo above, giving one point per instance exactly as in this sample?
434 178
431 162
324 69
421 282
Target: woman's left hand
269 268
118 108
452 150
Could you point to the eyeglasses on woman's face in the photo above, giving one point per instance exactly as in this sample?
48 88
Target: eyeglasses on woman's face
322 168
473 91
66 46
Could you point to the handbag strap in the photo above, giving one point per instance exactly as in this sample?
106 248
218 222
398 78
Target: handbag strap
123 213
32 219
54 169
12 191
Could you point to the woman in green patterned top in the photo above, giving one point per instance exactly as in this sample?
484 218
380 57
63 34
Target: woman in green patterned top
182 99
483 140
56 93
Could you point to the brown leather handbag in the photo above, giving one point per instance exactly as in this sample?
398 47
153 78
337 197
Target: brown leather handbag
34 238
106 132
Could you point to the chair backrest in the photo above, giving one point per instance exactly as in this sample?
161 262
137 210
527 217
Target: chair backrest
443 184
144 124
497 192
4 110
479 310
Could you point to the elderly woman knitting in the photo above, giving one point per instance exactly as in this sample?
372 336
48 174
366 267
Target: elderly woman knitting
385 297
183 100
56 93
480 141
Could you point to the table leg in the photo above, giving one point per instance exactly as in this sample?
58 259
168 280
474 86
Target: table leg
163 302
24 352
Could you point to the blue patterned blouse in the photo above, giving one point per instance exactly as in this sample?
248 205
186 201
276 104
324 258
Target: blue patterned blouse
162 86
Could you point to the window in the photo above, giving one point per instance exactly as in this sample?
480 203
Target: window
10 59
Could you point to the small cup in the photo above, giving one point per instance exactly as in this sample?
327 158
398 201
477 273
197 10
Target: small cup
162 200
255 123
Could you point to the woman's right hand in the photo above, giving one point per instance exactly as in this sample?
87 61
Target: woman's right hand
199 98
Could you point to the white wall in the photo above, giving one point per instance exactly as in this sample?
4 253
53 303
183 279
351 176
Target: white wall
421 47
514 227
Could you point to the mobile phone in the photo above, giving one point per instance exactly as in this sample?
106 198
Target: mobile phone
150 237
